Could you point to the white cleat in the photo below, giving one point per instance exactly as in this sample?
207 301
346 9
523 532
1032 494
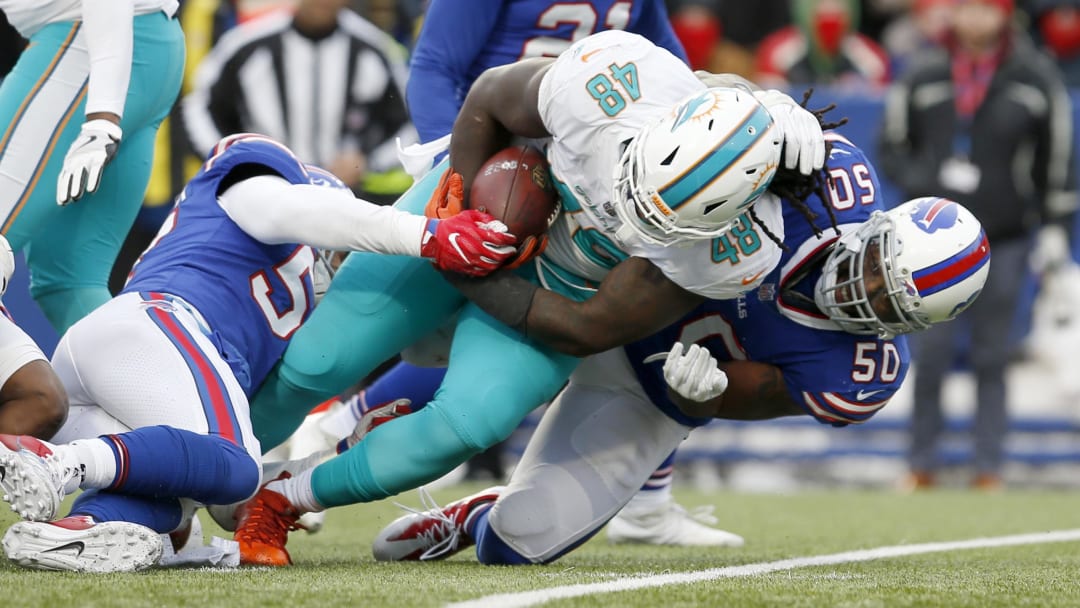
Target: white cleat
671 525
32 478
77 544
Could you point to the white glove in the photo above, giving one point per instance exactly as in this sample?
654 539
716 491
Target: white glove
804 142
1051 249
95 146
7 264
695 375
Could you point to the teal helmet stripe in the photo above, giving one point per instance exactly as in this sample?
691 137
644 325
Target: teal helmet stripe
726 153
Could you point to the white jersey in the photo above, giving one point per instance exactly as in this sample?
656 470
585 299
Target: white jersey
29 16
593 100
16 349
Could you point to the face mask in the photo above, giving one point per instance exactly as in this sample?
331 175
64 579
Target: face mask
1060 29
829 28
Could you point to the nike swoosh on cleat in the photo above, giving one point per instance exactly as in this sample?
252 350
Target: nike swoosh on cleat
865 394
78 544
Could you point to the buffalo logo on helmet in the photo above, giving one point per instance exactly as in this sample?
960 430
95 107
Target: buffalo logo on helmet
933 214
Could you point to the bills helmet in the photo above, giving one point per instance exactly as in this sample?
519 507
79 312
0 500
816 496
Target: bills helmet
933 256
690 173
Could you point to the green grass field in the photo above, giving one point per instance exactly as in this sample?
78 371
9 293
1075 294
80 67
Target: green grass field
335 568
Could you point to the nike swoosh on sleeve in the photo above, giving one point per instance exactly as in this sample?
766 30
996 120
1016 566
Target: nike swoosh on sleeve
867 394
585 56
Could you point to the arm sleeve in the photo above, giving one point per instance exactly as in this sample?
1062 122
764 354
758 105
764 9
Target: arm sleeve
274 211
16 349
109 30
655 25
449 44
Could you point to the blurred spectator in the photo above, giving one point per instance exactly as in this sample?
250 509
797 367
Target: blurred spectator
822 46
736 27
1057 28
698 28
985 121
921 28
395 17
325 81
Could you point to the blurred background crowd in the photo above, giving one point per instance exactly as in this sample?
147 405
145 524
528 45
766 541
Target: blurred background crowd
992 399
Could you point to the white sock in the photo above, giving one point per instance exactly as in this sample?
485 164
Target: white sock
650 500
298 491
96 460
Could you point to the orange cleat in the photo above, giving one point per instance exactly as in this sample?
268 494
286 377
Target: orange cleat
263 526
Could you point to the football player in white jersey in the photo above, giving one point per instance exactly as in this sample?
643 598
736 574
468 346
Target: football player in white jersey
32 399
80 110
664 185
159 377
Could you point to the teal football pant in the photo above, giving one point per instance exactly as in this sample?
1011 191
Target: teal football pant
377 306
70 250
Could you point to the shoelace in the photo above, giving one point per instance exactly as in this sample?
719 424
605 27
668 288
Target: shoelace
265 524
62 475
701 514
442 526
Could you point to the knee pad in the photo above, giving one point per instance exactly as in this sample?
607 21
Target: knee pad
538 523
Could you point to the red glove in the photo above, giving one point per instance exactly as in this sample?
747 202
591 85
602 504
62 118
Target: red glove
471 242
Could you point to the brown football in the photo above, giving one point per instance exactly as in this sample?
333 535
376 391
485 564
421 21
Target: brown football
515 187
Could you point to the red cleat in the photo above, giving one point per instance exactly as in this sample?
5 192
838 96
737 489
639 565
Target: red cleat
436 533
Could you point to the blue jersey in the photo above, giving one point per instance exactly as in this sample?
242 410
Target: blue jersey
252 295
457 44
837 377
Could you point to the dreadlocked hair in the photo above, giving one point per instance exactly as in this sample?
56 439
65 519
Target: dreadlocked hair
795 188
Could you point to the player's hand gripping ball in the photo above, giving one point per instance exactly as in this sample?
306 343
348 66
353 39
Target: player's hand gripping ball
515 187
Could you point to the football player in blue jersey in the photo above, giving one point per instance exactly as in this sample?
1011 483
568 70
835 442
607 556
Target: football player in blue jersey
821 336
454 47
159 377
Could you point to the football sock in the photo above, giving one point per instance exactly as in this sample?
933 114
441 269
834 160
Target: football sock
404 380
298 491
165 461
490 549
657 490
159 514
96 459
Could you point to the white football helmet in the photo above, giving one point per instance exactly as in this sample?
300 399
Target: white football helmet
934 257
690 173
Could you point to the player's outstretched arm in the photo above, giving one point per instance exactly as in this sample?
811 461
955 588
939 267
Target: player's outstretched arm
635 300
502 103
274 211
755 391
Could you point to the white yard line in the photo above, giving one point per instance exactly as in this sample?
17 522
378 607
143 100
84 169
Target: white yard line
541 596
